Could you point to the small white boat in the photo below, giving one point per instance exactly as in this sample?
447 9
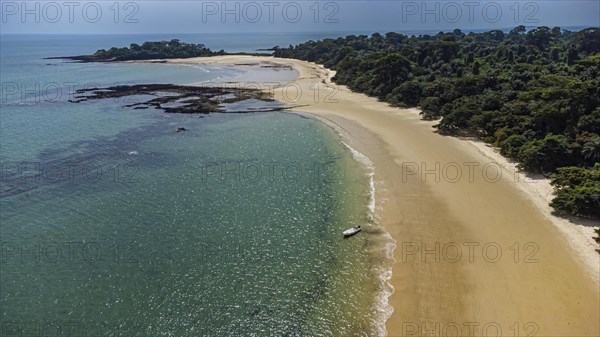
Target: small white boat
352 231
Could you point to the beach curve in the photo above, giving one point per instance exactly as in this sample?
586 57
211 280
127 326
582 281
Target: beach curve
536 275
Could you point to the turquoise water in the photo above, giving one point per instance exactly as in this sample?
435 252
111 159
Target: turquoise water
112 224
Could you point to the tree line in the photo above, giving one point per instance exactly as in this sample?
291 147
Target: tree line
534 94
148 51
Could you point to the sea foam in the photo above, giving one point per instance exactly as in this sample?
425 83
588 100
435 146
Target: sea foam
384 271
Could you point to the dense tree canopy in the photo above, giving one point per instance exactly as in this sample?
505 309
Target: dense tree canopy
150 50
535 94
578 190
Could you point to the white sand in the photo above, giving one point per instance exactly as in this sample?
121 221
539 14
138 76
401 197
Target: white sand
547 275
578 232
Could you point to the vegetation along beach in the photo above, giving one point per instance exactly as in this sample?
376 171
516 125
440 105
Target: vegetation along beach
356 180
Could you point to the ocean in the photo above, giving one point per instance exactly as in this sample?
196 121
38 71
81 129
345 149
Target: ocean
113 224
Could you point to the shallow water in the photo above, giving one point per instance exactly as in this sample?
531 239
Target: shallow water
114 224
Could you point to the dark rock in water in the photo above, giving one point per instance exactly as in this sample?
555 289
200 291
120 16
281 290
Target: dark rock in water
181 129
179 98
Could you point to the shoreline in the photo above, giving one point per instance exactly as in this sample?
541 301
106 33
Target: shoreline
385 244
419 210
579 232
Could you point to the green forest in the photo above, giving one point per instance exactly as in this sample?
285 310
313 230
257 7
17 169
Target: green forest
148 51
534 94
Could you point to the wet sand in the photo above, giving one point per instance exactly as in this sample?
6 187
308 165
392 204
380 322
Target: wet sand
476 254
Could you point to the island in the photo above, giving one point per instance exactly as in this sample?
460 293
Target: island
149 50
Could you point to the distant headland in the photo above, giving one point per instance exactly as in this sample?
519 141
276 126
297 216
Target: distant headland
150 50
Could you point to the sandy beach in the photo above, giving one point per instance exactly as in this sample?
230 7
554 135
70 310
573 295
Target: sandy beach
478 250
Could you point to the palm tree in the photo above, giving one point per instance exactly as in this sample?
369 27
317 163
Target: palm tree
591 149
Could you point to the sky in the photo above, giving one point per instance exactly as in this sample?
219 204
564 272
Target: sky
163 16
